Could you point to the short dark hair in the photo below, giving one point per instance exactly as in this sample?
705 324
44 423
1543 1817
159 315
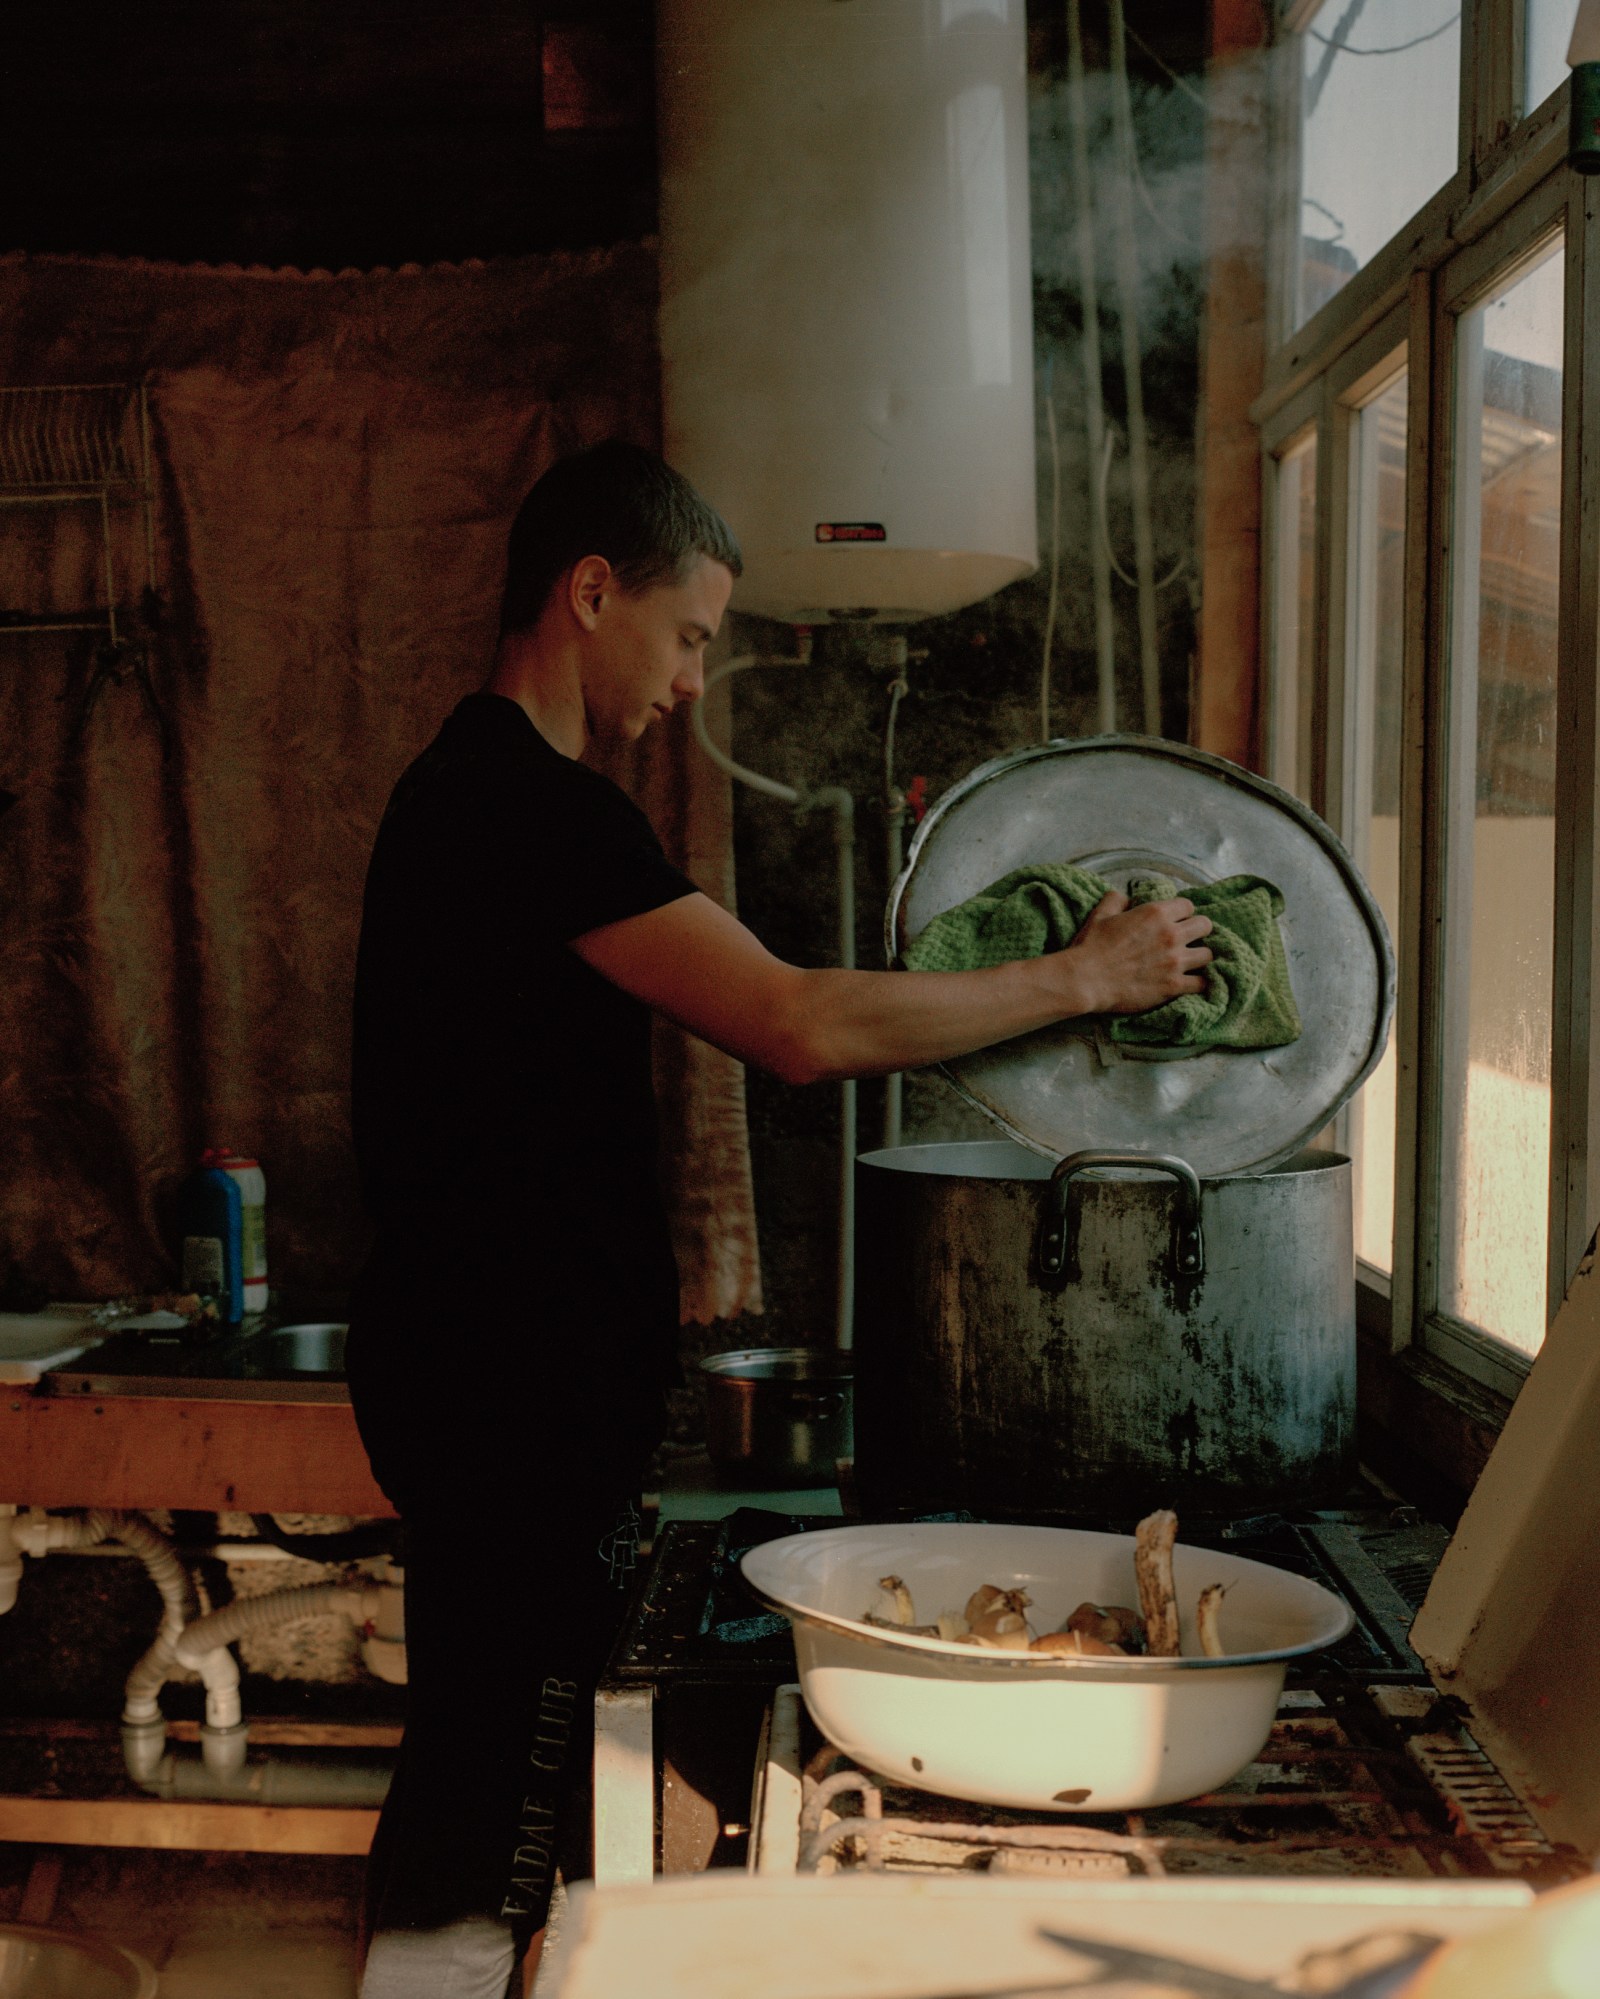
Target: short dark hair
617 500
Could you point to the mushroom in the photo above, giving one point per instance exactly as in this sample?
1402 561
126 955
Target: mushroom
982 1600
999 1622
1076 1645
1206 1616
1115 1623
893 1605
1152 1567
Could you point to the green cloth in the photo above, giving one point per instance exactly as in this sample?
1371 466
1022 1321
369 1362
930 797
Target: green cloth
1248 1001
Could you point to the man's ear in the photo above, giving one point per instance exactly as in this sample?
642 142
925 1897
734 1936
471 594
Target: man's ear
586 585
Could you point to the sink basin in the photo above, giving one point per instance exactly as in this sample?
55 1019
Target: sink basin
54 1964
304 1349
299 1362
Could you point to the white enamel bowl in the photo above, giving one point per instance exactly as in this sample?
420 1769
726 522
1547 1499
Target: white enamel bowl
1004 1728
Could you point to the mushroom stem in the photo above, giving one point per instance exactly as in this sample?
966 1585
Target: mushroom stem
1152 1568
1206 1618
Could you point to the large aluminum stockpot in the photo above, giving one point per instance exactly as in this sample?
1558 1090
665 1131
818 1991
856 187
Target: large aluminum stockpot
1094 1339
1008 1728
1049 1331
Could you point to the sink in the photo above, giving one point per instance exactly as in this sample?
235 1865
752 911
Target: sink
304 1349
299 1362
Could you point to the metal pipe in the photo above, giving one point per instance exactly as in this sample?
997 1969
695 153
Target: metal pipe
843 807
894 813
769 787
352 1778
1105 638
1127 248
844 835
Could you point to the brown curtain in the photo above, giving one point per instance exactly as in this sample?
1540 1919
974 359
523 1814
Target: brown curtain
336 460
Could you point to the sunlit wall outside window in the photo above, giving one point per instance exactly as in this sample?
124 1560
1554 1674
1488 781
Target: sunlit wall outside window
1380 96
1375 628
1546 33
1500 866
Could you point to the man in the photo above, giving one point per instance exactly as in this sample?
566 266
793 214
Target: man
512 1334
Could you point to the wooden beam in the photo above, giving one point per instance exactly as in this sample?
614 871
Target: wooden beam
158 1450
193 1827
1233 358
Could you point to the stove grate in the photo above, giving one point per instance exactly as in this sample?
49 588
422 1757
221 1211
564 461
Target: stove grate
1340 1789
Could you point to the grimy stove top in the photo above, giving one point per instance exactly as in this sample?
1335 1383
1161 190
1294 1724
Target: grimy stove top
1378 1781
1368 1770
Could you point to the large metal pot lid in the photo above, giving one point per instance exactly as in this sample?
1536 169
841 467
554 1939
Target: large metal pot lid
1126 805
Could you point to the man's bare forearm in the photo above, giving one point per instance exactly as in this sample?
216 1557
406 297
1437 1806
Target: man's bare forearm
866 1024
699 966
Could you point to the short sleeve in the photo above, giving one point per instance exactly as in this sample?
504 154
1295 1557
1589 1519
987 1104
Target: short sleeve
588 856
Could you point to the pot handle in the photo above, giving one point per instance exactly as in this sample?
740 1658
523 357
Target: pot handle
814 1405
1058 1258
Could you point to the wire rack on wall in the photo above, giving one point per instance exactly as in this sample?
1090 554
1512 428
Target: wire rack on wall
80 444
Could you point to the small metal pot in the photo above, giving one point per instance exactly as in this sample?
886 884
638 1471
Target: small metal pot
778 1416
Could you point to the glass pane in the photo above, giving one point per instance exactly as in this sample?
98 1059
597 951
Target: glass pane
1380 97
1376 629
1294 598
1545 39
1500 868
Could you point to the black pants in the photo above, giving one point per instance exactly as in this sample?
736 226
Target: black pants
520 1540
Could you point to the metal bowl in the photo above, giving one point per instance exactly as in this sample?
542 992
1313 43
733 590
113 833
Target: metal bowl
1014 1728
53 1964
778 1416
301 1349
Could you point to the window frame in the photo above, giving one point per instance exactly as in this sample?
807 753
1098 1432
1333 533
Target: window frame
1511 190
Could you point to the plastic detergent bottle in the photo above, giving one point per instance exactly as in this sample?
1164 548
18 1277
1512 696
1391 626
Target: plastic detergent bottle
209 1236
247 1176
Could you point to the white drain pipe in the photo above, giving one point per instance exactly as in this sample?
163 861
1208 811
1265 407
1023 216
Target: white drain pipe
38 1533
187 1641
202 1648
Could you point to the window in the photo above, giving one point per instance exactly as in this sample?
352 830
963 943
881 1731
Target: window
1544 40
1434 635
1380 90
1499 909
1294 615
1375 624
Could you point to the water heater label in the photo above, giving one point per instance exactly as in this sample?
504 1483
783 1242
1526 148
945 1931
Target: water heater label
850 531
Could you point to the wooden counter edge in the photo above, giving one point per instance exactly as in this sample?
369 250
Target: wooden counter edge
169 1450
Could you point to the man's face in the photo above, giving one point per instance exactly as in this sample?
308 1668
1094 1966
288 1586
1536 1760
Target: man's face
647 649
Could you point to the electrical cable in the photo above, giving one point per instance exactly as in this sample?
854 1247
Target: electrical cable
1393 49
1102 523
1322 208
1316 82
1141 187
1172 75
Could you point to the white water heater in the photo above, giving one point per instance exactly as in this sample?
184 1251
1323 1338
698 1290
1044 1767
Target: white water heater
846 306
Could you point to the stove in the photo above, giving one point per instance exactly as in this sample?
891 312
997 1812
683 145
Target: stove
1369 1771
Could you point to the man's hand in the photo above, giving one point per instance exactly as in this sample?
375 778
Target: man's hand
1136 958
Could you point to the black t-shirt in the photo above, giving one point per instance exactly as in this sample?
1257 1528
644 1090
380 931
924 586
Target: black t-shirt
504 1116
